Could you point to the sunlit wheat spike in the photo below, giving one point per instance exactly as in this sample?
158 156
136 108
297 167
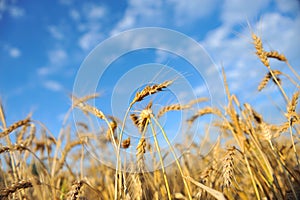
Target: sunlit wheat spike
267 78
125 143
135 119
15 126
173 107
91 109
22 184
257 117
74 192
276 55
140 151
29 139
228 166
149 90
204 111
291 108
16 147
292 115
142 119
198 100
264 82
76 100
111 129
266 133
260 52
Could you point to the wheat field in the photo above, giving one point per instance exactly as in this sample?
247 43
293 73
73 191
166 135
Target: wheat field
251 158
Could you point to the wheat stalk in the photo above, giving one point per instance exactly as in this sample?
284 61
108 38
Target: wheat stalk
66 150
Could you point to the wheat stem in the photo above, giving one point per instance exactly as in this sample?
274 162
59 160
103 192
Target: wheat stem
161 160
175 157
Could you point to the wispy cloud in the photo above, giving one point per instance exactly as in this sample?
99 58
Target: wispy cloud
91 21
200 91
191 11
57 56
74 14
52 85
89 40
10 8
140 13
244 71
95 12
16 12
14 52
55 32
236 11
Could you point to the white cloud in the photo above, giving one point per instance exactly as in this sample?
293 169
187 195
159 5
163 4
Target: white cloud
53 85
281 33
14 52
236 53
96 12
216 38
57 59
16 12
92 16
288 6
89 40
141 13
55 32
163 13
74 14
57 56
200 90
192 10
236 11
43 71
11 9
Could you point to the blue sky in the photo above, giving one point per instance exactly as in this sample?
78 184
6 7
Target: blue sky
43 44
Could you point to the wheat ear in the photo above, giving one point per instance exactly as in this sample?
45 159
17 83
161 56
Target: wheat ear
149 90
15 126
260 52
267 77
23 184
173 107
228 167
74 192
276 55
